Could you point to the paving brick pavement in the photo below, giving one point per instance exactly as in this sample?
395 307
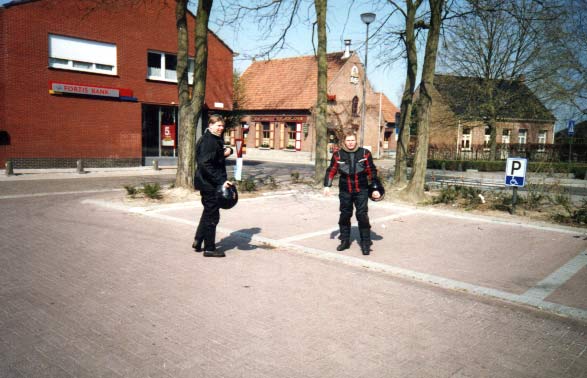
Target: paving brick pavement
90 287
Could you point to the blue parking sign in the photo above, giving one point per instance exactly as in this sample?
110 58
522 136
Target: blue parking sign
571 127
515 172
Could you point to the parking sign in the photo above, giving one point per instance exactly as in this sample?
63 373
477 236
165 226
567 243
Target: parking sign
515 172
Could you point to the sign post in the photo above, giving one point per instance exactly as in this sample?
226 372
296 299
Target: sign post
238 168
515 176
570 133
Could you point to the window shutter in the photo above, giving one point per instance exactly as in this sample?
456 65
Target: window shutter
257 131
271 134
282 133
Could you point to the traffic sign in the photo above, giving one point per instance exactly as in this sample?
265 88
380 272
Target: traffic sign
571 127
515 172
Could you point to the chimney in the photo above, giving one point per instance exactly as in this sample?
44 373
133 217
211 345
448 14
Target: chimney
347 49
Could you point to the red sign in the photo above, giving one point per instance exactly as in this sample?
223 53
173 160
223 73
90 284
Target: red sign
168 135
88 90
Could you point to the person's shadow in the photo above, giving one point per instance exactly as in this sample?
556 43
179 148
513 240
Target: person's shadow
240 240
355 234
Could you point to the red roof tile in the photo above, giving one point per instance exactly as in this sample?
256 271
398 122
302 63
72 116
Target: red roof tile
388 109
289 83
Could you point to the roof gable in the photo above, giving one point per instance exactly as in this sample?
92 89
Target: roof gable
514 100
289 83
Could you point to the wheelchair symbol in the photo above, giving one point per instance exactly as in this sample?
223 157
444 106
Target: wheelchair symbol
514 182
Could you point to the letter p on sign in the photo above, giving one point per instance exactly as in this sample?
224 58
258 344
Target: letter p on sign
515 172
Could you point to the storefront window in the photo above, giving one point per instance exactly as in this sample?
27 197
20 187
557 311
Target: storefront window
291 135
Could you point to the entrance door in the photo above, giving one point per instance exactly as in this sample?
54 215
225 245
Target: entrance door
159 134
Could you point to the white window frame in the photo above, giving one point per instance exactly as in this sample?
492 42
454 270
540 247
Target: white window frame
542 140
505 136
486 140
165 74
522 136
77 54
466 139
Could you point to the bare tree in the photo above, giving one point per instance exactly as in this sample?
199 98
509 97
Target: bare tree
414 191
190 104
321 158
496 41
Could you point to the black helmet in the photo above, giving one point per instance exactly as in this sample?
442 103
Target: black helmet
376 186
227 197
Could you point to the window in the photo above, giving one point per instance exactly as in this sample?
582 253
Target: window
541 140
291 135
266 134
355 107
505 136
163 66
487 139
466 139
82 55
522 136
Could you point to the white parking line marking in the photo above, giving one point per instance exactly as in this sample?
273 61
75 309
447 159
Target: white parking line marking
555 280
13 196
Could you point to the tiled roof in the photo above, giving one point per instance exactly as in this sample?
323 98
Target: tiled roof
289 83
388 109
464 95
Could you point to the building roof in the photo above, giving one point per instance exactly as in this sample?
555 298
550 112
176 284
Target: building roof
388 109
464 95
289 83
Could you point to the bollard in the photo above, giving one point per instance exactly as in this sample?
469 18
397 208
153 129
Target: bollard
155 165
80 166
9 168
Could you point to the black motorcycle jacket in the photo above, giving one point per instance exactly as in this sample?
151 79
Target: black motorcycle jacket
356 170
211 171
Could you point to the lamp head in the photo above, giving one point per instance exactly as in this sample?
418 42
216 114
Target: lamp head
368 18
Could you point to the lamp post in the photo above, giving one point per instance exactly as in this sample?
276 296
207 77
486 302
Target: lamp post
367 18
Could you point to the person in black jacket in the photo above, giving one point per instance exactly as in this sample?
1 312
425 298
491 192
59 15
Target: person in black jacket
357 171
210 175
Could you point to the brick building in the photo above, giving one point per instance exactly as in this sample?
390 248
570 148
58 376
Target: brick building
279 97
457 117
95 84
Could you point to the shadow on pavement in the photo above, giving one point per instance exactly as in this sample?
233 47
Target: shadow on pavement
240 239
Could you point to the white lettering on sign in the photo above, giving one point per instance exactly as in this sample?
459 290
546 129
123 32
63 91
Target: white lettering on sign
515 171
85 90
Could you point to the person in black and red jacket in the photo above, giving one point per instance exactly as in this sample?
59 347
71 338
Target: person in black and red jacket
357 171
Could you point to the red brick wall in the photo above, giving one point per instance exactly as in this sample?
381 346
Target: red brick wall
42 125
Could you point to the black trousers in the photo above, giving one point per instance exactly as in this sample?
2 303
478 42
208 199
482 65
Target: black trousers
209 220
360 201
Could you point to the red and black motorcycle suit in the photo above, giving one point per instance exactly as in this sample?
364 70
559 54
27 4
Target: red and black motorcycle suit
357 170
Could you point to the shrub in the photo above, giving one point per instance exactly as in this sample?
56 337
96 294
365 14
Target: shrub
272 183
131 190
247 185
295 177
152 191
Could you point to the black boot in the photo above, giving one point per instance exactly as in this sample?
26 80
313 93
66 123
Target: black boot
344 244
365 234
345 237
213 253
197 246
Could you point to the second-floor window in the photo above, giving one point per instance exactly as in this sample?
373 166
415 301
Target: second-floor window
77 54
163 66
355 106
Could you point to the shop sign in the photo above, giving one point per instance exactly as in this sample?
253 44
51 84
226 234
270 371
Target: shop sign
88 90
296 119
168 135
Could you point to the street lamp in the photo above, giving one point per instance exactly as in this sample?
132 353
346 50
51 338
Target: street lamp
367 18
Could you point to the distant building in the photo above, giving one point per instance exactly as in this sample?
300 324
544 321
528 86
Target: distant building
458 114
279 99
98 85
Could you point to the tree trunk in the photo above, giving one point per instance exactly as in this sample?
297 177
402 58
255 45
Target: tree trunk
403 142
190 110
321 159
415 190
